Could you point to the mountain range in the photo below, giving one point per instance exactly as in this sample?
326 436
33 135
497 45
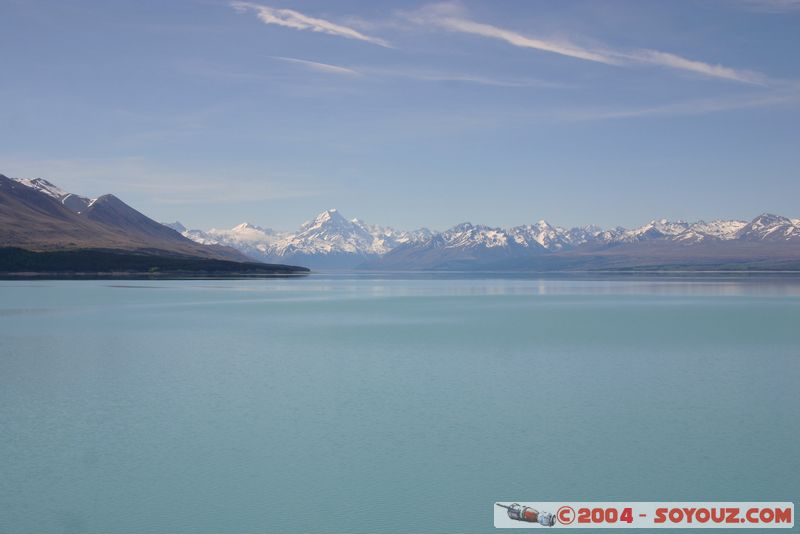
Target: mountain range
327 241
332 241
43 227
41 224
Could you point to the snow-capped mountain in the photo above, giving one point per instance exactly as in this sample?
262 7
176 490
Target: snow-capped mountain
253 240
657 229
557 238
715 230
542 233
768 240
386 238
331 240
769 227
328 240
467 235
719 229
329 233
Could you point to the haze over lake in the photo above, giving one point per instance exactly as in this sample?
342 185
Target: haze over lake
388 403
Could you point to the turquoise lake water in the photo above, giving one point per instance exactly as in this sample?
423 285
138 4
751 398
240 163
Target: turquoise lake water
388 404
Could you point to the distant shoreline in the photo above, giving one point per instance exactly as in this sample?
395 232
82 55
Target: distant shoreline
608 276
18 263
145 276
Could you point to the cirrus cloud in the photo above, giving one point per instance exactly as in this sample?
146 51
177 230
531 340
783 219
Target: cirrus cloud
317 66
289 18
451 16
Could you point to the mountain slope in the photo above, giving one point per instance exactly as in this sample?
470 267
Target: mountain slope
35 215
32 219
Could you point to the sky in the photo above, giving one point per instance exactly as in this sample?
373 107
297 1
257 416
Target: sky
408 113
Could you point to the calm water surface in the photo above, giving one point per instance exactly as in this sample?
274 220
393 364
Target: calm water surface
381 404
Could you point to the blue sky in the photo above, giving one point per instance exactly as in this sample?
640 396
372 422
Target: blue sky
408 113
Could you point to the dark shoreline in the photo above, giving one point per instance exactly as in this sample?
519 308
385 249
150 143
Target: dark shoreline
17 263
146 276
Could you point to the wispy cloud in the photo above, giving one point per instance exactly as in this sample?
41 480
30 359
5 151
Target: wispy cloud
452 17
690 107
416 74
317 66
289 18
440 76
665 59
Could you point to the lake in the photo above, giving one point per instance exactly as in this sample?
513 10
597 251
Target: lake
388 403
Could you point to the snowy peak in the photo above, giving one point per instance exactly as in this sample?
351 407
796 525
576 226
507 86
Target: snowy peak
248 238
330 233
244 232
331 226
656 229
702 231
769 227
467 235
542 233
75 203
769 219
247 227
328 219
386 238
329 215
589 234
43 186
